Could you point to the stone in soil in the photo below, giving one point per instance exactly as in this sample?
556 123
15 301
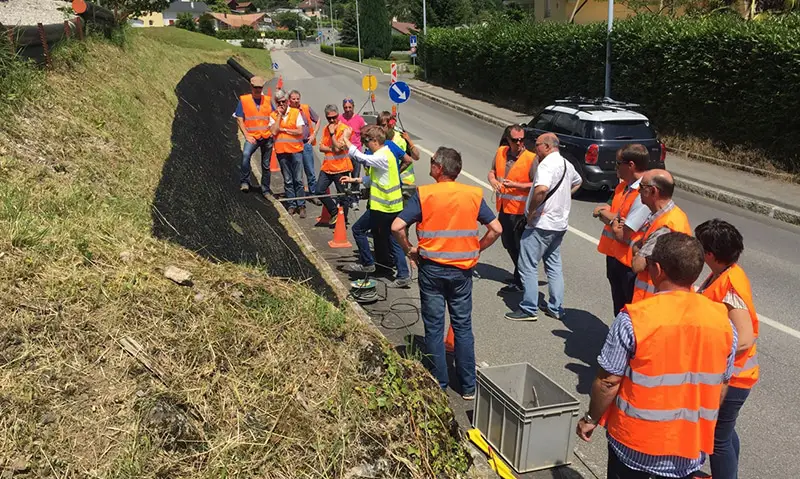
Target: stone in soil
31 12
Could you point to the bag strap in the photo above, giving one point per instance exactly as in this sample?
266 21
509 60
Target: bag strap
553 191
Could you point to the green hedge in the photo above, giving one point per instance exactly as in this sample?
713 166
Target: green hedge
236 34
716 77
351 53
400 43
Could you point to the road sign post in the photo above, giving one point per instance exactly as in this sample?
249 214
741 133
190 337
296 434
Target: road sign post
399 92
394 73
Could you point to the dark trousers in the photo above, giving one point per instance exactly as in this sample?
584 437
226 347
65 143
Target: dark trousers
510 239
725 460
323 182
618 470
265 145
386 247
621 279
448 287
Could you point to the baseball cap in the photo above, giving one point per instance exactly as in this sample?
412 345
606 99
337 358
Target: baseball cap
257 81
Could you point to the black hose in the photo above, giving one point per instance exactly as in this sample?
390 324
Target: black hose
240 69
98 13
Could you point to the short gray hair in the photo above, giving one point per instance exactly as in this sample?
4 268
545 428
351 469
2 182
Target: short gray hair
280 94
331 108
295 92
450 161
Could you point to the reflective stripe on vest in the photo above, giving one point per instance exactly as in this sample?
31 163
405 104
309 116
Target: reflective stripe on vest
671 217
407 176
335 162
284 142
256 123
448 231
668 399
624 198
745 367
385 193
512 200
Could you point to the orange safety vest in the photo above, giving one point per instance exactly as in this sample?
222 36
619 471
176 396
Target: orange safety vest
673 218
669 397
448 232
621 205
745 368
312 136
286 143
512 200
335 162
256 122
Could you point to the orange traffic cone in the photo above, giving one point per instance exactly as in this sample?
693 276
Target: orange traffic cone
340 233
325 217
449 341
273 162
269 92
280 82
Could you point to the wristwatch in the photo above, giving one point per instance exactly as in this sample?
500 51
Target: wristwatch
588 419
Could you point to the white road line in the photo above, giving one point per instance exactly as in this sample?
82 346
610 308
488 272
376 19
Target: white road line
769 322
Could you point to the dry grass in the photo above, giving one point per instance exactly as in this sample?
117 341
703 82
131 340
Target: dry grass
261 378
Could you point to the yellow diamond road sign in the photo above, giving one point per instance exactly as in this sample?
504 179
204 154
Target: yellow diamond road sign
369 83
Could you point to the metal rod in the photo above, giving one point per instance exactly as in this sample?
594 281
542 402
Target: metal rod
333 31
358 33
45 48
332 195
608 47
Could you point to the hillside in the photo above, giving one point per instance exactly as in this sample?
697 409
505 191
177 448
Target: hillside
114 166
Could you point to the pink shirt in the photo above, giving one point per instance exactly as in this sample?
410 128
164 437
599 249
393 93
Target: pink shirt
356 122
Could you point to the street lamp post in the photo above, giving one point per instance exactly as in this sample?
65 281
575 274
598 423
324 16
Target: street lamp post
608 47
333 31
424 18
358 32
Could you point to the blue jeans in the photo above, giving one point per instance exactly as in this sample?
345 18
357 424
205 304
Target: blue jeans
380 224
725 460
266 154
535 245
327 179
308 166
292 170
441 285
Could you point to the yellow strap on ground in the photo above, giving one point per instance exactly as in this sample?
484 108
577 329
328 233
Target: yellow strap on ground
496 462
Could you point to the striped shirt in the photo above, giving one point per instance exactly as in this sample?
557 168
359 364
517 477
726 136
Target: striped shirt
618 350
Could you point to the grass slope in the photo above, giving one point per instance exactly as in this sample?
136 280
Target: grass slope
241 375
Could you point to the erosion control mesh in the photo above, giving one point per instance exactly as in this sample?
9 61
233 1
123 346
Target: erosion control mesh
197 202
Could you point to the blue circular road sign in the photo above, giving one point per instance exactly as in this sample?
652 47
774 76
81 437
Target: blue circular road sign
399 92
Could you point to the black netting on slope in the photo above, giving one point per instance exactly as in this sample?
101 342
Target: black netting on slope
198 204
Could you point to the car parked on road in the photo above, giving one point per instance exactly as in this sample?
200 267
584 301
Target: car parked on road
591 131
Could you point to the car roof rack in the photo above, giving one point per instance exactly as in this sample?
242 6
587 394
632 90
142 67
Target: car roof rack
582 102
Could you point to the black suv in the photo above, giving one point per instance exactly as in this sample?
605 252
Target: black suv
591 131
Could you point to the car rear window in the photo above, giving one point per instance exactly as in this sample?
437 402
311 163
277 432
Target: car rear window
621 130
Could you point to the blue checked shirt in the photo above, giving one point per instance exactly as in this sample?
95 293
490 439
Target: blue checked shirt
618 350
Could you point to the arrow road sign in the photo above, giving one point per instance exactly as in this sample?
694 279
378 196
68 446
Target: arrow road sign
412 40
399 92
275 65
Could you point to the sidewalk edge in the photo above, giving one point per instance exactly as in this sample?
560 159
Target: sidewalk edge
757 206
342 62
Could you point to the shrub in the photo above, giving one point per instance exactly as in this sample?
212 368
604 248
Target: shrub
186 21
400 43
251 43
351 53
691 75
237 34
206 25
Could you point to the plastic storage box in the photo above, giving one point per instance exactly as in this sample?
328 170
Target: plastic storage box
525 416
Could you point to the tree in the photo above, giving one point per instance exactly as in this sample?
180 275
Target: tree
185 21
207 25
444 13
288 20
135 8
376 30
349 32
219 6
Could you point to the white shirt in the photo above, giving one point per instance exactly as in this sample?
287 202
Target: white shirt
300 122
553 215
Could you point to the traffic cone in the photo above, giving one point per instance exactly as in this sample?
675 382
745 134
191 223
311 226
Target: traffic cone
280 83
340 233
273 162
325 216
449 341
269 92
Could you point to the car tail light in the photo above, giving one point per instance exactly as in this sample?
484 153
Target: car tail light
663 152
592 153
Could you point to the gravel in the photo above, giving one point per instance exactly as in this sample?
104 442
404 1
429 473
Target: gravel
31 12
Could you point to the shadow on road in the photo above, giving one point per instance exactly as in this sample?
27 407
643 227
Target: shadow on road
583 339
197 203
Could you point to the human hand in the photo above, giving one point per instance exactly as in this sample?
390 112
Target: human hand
413 255
404 135
250 139
496 185
510 184
585 430
348 179
598 210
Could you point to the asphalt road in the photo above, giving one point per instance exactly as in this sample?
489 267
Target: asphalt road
566 350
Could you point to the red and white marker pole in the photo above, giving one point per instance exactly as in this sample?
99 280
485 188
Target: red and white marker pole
394 74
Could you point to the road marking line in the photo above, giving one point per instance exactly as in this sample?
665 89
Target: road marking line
769 322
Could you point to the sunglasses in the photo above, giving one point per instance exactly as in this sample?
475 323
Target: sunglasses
348 101
332 118
258 88
280 102
516 140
